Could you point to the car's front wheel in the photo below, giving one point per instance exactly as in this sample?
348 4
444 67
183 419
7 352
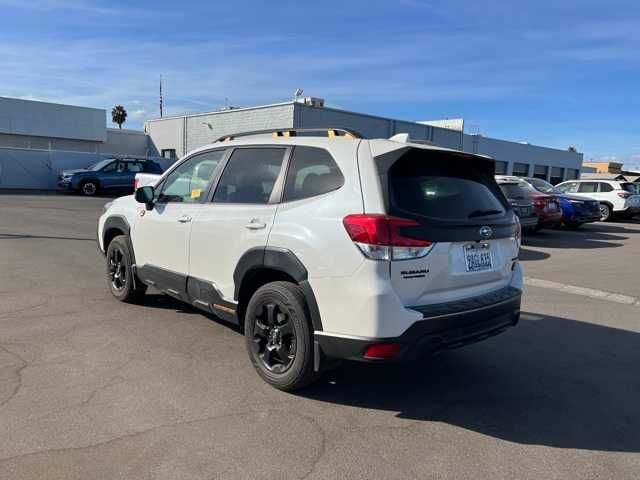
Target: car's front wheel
120 275
278 335
89 188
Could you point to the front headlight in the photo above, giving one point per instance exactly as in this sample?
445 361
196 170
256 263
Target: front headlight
106 207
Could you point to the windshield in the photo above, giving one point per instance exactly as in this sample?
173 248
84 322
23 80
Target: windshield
99 165
543 186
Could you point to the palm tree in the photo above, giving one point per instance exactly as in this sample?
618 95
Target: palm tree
119 115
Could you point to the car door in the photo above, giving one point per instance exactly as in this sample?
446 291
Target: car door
239 216
161 236
110 174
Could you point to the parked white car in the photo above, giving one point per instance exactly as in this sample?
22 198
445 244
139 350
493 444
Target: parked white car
616 198
321 245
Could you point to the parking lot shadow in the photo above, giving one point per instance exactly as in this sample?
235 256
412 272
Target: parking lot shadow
586 238
527 255
550 381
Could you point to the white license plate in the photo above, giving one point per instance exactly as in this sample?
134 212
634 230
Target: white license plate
552 207
478 257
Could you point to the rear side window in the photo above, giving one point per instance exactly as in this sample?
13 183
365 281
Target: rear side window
605 187
312 172
250 176
443 187
588 187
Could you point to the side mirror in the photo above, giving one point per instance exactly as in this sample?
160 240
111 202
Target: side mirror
145 195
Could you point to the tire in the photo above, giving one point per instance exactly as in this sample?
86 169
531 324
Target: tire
605 212
89 188
120 275
278 336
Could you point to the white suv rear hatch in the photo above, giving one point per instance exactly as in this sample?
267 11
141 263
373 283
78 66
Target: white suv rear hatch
454 203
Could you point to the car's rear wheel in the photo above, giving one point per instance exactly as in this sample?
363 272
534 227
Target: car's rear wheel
605 212
278 335
89 188
120 275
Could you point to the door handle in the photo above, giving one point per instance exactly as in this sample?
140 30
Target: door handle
184 219
255 224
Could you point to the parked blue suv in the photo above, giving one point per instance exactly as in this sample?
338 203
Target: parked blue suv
576 210
109 174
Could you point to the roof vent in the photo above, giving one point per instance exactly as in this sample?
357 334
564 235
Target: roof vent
312 101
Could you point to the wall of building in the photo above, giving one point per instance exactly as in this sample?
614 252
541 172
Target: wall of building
189 132
41 119
524 153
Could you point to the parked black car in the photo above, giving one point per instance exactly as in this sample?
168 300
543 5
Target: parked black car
521 204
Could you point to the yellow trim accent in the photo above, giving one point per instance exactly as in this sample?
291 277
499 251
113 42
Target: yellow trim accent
331 133
224 309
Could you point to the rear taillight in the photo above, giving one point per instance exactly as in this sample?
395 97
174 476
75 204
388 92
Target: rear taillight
382 351
518 231
624 194
136 181
379 237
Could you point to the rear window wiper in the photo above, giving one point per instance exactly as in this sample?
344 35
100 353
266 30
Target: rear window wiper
483 213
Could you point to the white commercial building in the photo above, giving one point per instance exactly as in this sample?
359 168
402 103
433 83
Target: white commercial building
175 136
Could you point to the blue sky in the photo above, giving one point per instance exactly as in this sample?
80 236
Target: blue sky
553 73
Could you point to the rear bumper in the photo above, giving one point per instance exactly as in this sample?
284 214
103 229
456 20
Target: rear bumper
527 222
444 326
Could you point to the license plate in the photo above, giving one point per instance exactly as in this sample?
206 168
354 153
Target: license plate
525 211
552 207
478 257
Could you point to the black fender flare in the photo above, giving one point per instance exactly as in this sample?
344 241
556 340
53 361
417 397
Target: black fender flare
118 222
283 260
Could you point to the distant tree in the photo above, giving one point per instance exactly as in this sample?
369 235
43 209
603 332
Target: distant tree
119 115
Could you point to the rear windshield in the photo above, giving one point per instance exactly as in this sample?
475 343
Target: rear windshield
630 187
443 187
513 190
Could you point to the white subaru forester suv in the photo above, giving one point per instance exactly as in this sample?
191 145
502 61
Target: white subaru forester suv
321 245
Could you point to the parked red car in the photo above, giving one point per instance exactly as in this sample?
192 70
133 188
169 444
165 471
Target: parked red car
546 206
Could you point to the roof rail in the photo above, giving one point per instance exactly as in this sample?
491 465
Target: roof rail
295 132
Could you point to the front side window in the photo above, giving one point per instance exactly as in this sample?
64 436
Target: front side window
188 182
111 167
588 187
312 172
250 176
571 187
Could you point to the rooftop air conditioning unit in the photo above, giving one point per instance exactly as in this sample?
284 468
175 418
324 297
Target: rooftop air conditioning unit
314 102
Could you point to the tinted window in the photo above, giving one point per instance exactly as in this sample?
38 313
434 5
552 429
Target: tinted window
188 182
444 187
312 172
134 167
542 185
557 174
630 187
605 187
588 187
249 176
513 190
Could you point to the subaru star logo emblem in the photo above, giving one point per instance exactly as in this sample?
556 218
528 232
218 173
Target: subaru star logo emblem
486 232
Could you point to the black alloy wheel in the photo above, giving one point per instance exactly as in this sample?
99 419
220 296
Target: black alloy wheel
274 337
117 269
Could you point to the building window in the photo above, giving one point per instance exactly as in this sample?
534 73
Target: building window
557 175
501 168
573 174
540 171
169 153
520 169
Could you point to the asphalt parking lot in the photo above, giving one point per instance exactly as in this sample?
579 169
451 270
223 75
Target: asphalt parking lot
94 389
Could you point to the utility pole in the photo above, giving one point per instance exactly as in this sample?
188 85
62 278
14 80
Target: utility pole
161 112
